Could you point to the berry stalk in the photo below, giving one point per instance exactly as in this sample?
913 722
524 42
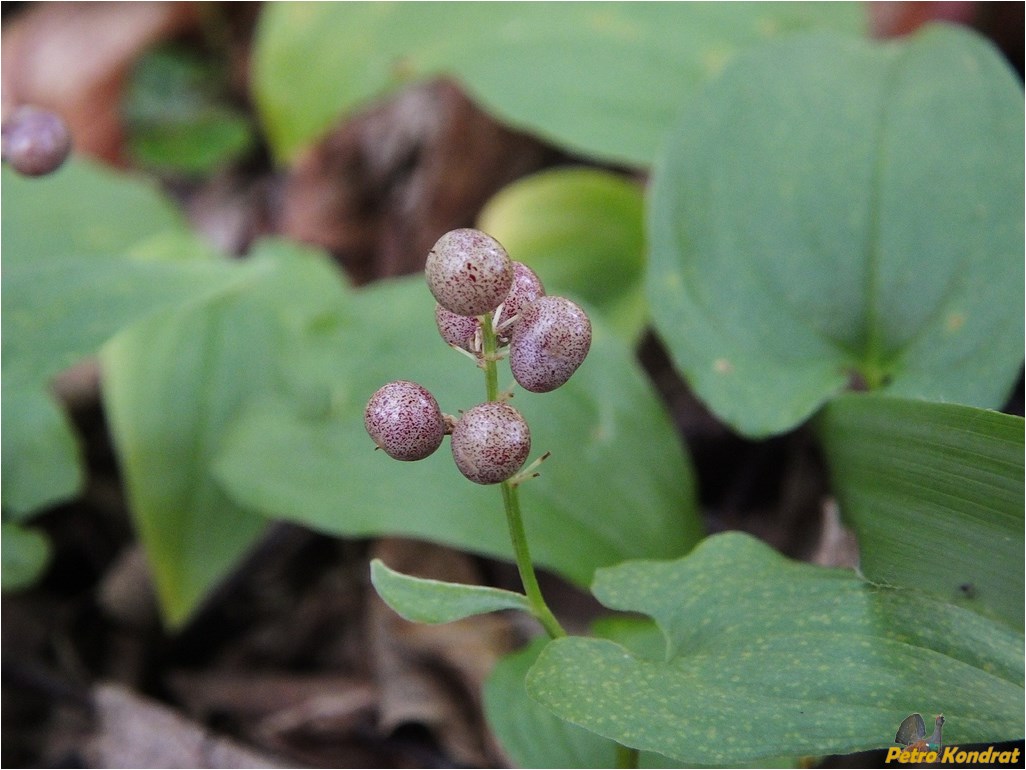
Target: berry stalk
511 500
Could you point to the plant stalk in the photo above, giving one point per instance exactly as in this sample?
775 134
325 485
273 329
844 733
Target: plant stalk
511 500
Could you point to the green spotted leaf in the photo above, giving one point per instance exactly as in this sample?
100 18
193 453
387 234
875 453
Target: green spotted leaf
767 657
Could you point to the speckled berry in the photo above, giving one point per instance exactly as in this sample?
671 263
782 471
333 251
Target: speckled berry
490 442
458 330
468 272
403 418
549 342
35 141
525 289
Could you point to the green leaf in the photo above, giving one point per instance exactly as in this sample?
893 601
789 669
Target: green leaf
172 385
834 209
617 484
934 493
604 79
532 735
435 601
82 210
583 230
767 657
26 554
57 311
178 116
69 285
40 452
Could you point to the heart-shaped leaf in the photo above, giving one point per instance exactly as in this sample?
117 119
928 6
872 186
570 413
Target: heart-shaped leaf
767 657
435 601
618 484
583 229
935 494
605 79
833 210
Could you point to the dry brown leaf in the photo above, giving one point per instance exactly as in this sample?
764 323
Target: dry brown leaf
381 188
135 732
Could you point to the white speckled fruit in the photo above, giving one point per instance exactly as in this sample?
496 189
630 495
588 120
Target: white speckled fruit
468 272
490 442
525 289
403 418
549 342
458 330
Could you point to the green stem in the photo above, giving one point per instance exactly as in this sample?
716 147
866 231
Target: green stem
511 500
626 756
523 555
490 346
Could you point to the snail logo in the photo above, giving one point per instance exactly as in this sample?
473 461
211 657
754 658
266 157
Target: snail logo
912 734
915 748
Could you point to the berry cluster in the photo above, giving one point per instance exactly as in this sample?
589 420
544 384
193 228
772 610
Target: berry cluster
476 283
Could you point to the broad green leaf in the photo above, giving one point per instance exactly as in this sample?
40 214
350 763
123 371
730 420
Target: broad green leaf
81 210
934 493
40 452
172 385
604 79
57 311
583 229
69 285
532 735
26 553
435 601
767 657
617 484
834 209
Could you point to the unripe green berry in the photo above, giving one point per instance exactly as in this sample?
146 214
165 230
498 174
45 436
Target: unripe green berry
403 418
468 272
550 341
35 141
490 442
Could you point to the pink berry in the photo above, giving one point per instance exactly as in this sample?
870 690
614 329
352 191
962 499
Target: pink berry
458 330
549 342
526 288
403 418
35 141
468 272
490 442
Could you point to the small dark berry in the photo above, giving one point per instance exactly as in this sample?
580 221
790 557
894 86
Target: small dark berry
35 141
468 272
490 442
550 341
403 418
